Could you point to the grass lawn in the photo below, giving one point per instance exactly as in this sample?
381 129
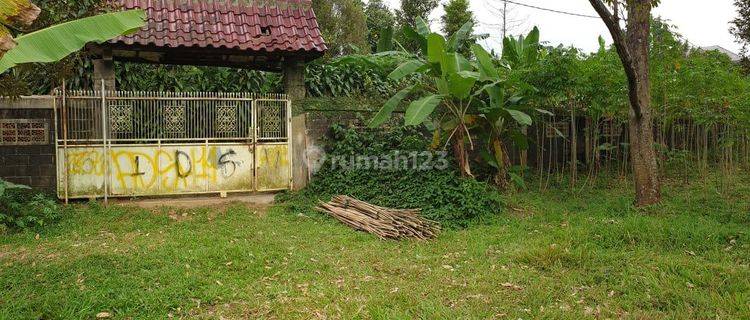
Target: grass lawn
555 255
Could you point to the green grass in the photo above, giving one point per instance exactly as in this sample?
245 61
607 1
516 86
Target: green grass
555 255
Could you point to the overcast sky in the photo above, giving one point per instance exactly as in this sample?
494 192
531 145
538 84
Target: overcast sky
702 23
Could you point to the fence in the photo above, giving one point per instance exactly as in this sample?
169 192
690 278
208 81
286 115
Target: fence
114 143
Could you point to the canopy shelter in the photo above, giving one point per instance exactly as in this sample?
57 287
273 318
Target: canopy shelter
271 35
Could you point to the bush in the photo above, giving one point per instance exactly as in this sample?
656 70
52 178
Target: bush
441 194
24 209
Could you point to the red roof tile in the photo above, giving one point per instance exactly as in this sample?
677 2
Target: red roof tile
289 25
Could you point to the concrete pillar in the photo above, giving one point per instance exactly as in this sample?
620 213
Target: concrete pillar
300 170
104 68
294 79
293 72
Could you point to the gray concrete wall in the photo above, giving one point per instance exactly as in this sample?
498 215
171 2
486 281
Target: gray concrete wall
29 164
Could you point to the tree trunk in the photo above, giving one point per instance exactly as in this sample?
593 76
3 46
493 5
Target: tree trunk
459 151
633 48
573 148
643 155
503 163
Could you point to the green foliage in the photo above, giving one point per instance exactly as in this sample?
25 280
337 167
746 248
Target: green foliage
76 68
344 26
741 25
143 77
54 43
457 15
441 194
352 75
408 15
380 20
687 84
24 209
462 95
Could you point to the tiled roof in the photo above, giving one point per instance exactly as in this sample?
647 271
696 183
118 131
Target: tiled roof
286 26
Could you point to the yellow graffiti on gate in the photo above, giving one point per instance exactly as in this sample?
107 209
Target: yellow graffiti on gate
273 167
171 169
85 162
152 170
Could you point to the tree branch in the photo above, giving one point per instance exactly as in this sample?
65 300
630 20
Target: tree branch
618 36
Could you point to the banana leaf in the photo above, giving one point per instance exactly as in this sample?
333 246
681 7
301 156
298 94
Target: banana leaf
56 42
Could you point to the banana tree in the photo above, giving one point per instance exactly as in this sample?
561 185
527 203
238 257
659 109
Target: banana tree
462 93
56 42
506 112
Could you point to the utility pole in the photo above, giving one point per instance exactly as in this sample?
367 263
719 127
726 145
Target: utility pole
505 18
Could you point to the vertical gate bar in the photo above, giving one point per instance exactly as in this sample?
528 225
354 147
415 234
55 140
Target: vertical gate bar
289 140
65 139
104 141
254 132
57 155
207 105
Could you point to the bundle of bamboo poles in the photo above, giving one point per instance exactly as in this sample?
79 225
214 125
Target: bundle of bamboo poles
386 223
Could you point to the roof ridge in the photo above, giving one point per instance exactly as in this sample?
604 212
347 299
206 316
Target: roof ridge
282 4
256 25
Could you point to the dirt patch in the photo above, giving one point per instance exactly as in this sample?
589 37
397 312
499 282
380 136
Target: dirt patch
263 200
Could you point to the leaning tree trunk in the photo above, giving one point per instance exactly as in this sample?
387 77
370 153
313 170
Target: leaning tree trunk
633 48
643 155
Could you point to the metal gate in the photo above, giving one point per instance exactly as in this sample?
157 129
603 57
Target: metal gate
125 144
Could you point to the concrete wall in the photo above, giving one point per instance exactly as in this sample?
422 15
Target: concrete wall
31 164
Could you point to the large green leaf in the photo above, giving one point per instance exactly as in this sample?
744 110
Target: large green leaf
405 69
454 62
509 50
497 102
520 117
487 70
435 47
413 35
385 43
442 86
419 110
57 42
455 41
461 83
531 46
422 27
385 113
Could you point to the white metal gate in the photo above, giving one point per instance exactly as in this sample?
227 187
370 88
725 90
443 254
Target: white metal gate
125 144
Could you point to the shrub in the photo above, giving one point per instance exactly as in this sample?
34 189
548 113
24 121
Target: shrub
441 194
24 209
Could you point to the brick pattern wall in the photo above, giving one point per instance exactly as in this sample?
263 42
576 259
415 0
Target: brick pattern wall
32 165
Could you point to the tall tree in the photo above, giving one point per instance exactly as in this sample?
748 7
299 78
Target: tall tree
457 13
632 44
741 30
411 10
379 19
741 25
407 16
343 24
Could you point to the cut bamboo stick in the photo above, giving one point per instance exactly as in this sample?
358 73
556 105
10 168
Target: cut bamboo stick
386 223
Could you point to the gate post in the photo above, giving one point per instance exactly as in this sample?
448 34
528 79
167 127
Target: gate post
294 80
105 153
294 87
104 72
